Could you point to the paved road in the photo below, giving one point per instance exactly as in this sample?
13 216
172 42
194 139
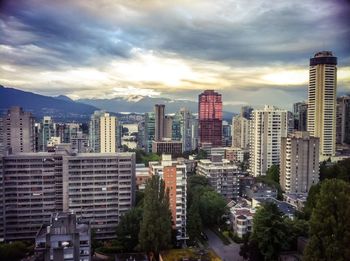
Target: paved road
226 252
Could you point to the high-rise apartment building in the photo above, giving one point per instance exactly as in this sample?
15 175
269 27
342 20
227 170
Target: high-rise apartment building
343 120
321 119
268 126
98 187
240 132
222 175
210 118
300 116
103 131
47 131
226 134
174 175
299 167
159 115
17 133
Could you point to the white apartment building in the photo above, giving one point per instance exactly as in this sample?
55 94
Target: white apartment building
268 126
240 132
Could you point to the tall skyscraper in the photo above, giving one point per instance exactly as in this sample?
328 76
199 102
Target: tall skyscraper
47 131
268 126
240 132
17 133
321 120
210 118
159 114
300 116
103 131
246 112
343 120
299 166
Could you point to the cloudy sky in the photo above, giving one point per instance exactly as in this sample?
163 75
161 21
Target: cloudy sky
252 51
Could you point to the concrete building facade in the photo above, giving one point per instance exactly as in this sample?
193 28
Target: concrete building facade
321 120
299 167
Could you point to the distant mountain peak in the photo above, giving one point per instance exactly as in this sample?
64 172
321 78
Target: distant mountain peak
63 98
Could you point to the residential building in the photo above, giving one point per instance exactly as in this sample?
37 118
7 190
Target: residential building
17 133
241 216
222 175
98 187
285 208
236 155
159 114
240 132
167 147
226 134
259 190
299 165
64 239
343 121
174 175
103 131
321 118
210 118
47 130
268 126
297 200
142 175
80 142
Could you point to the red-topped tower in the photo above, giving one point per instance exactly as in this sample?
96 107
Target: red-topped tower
210 118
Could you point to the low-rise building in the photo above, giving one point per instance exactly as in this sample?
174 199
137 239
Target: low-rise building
297 200
285 208
142 175
171 147
64 239
222 175
236 155
260 190
241 216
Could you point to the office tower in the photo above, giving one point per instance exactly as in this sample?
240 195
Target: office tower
169 123
186 125
149 131
159 115
80 142
194 132
343 120
65 238
240 132
246 112
174 175
299 168
210 118
47 130
103 131
66 130
222 175
98 187
321 118
268 126
300 116
17 133
226 134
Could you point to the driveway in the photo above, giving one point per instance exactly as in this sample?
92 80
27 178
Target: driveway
226 252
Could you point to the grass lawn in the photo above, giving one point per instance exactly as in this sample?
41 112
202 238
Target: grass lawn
190 254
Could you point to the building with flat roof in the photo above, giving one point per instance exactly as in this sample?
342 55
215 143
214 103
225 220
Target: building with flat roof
65 238
174 175
171 147
222 175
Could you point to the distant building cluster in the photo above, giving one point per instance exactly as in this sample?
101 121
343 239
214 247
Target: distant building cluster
63 179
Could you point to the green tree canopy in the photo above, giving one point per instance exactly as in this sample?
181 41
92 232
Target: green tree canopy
330 223
273 173
211 207
269 231
156 225
128 229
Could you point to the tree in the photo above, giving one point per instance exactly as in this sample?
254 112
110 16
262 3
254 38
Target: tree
330 223
202 154
269 231
194 221
156 225
311 200
273 173
128 229
250 250
211 207
13 251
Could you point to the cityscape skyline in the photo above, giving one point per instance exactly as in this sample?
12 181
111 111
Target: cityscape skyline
106 55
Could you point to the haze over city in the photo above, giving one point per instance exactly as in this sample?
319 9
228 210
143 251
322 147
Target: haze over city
253 52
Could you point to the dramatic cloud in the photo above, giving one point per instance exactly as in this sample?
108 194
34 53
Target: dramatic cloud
254 52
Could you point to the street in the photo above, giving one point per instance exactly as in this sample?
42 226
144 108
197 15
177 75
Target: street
226 252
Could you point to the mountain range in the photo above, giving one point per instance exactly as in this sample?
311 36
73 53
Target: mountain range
62 108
